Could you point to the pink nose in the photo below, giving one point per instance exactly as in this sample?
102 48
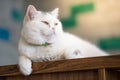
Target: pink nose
53 28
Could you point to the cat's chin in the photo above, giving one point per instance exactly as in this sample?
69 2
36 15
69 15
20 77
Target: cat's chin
51 38
51 34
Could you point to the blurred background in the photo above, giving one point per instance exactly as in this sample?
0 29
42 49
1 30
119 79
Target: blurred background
97 21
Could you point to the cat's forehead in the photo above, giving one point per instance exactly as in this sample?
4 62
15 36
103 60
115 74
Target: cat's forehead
45 16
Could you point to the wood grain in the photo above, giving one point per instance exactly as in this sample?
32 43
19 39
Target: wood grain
66 65
73 75
102 74
112 74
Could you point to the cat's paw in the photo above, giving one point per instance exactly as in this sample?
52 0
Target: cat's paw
73 54
26 70
25 65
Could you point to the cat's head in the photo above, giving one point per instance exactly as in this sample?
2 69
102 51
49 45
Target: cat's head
44 23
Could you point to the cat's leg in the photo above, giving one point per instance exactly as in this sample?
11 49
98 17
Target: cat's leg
73 54
25 65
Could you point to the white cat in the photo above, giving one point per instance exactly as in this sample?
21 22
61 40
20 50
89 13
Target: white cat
42 39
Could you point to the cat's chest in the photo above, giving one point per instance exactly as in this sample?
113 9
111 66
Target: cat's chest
44 53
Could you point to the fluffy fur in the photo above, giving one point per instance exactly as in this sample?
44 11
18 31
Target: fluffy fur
44 27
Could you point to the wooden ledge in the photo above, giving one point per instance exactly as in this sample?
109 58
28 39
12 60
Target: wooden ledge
108 62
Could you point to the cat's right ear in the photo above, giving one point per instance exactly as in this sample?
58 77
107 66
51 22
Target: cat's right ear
31 10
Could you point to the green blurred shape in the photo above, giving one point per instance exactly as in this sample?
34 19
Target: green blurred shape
82 8
110 43
75 10
70 22
16 15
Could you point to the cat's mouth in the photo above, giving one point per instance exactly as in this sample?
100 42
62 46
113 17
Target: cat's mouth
49 34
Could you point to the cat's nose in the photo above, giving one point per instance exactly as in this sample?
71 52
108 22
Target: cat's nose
53 28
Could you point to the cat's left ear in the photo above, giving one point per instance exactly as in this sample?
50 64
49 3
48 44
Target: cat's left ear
55 12
31 10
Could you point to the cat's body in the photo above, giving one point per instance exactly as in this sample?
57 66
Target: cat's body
40 28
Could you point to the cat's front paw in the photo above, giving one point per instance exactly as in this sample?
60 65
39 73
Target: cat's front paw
26 70
73 54
25 65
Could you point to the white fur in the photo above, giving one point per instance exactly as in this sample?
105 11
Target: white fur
62 45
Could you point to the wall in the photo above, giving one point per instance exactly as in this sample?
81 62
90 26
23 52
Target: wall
11 12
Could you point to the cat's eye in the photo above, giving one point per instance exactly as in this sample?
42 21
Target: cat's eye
56 24
45 22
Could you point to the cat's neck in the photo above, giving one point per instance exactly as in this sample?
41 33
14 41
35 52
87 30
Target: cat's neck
53 39
33 44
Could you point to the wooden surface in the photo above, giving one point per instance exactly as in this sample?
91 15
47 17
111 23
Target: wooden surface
112 74
102 74
97 68
83 75
66 65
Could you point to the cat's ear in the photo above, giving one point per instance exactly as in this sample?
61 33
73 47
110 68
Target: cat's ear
31 10
55 12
